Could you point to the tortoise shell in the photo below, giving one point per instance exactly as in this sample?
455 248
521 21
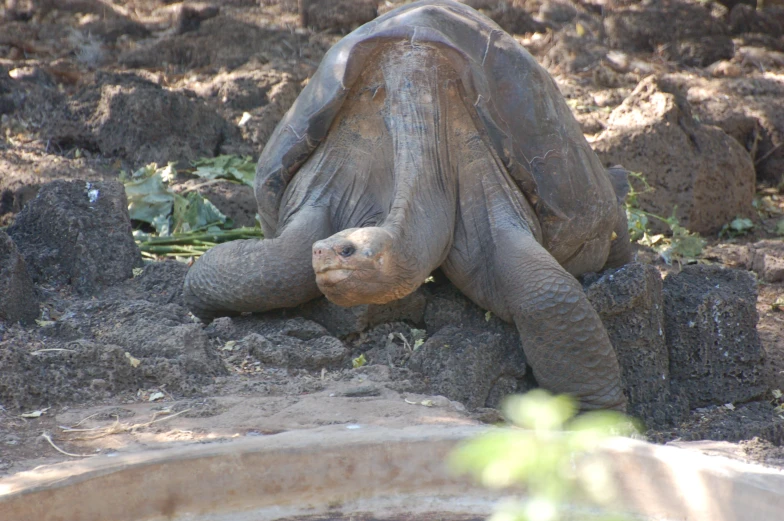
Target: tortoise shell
517 107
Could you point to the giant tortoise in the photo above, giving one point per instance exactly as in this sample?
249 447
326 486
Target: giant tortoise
430 138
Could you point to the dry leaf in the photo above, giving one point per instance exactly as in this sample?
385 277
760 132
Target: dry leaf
133 361
35 414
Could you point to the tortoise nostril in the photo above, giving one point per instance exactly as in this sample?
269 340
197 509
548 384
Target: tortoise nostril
347 251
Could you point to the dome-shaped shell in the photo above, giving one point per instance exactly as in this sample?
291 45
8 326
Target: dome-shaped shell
518 107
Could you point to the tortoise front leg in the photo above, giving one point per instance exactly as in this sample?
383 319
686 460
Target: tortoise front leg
257 275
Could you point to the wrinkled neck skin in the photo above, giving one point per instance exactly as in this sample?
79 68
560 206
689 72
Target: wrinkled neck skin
422 214
416 94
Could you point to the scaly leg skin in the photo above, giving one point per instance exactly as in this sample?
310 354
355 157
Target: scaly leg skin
497 261
564 340
257 275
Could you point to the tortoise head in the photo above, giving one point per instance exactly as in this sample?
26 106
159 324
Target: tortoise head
358 266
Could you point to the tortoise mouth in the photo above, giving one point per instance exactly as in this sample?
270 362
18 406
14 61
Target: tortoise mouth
332 275
326 269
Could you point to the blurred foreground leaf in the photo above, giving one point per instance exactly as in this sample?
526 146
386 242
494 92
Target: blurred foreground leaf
550 456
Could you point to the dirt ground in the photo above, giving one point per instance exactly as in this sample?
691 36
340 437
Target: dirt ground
92 87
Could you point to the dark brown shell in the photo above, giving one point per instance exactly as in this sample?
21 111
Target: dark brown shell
518 108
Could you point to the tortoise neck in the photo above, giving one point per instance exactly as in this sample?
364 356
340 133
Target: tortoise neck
421 94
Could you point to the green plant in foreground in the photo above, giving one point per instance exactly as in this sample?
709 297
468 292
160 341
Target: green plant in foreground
551 456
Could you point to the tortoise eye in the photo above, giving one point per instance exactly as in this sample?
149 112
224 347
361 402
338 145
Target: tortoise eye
347 251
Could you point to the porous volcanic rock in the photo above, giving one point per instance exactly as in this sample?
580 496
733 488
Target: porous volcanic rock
700 52
188 17
79 234
222 42
18 301
469 355
697 168
556 11
275 341
767 260
447 306
265 94
765 257
144 329
757 420
514 19
159 282
341 321
573 53
77 373
710 319
465 365
324 352
638 28
629 301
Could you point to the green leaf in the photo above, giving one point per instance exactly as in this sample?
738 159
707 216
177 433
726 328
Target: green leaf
742 224
233 168
739 226
780 227
359 361
683 245
637 223
149 199
194 212
687 245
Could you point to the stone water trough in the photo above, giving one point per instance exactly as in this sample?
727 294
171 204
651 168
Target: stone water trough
369 473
